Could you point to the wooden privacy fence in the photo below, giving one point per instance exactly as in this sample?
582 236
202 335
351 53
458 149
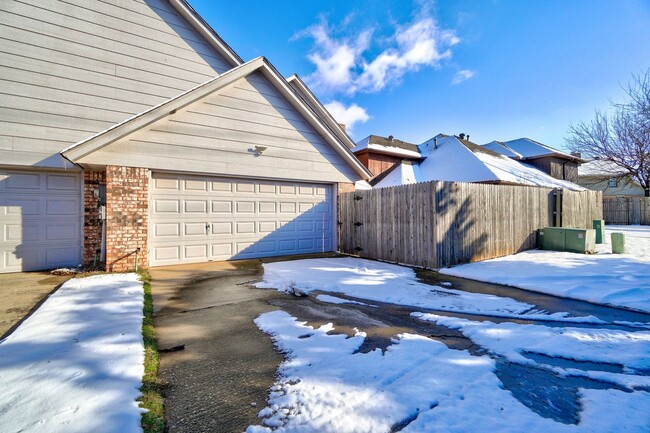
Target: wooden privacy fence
626 210
438 224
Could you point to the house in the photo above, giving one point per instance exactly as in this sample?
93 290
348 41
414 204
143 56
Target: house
132 131
379 154
551 161
455 159
609 178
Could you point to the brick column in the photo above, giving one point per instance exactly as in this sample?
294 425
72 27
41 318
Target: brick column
92 223
127 203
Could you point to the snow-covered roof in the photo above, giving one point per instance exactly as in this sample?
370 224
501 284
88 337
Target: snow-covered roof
462 161
528 148
387 145
499 147
599 167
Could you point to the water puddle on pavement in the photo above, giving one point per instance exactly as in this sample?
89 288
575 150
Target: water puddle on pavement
544 392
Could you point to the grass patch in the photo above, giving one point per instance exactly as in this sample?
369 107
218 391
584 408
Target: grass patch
153 421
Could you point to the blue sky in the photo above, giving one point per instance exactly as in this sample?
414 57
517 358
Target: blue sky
492 69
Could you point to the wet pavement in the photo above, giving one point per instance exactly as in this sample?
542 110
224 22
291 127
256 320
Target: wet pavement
21 293
228 364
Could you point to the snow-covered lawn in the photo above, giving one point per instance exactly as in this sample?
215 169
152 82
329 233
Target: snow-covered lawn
419 384
604 278
76 364
384 282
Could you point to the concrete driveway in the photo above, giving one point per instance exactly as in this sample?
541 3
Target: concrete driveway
20 293
220 380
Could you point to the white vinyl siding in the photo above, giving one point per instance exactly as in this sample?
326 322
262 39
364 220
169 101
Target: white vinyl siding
40 220
198 219
218 135
69 69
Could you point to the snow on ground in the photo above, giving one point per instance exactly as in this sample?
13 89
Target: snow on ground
621 280
384 282
418 384
336 300
76 364
629 350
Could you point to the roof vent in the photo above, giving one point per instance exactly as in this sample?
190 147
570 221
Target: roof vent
461 136
390 138
467 137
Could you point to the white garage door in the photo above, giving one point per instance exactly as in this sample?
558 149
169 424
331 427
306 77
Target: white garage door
197 219
40 220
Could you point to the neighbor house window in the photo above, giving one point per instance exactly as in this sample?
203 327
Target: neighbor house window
613 183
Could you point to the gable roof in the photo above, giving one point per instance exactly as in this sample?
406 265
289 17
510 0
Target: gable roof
203 28
305 93
260 64
463 161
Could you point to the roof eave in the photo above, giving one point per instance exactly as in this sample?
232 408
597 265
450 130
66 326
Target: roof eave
204 29
305 92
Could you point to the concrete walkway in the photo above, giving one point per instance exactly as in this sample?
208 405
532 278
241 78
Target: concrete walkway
20 292
220 380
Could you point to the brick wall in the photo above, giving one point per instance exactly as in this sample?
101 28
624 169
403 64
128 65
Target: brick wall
378 163
127 191
92 223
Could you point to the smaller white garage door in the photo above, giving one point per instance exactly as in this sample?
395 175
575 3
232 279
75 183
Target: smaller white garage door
197 219
40 220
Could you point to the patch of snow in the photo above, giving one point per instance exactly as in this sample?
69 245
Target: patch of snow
336 300
621 280
76 364
362 185
394 284
511 340
419 384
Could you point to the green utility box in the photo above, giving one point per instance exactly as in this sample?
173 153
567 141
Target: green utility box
579 240
618 243
551 238
599 226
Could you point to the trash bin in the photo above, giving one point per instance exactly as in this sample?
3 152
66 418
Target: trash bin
599 226
618 243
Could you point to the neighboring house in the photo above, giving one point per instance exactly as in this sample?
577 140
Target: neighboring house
380 154
551 161
452 158
131 129
609 178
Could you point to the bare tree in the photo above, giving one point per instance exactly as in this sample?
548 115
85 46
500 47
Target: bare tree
622 135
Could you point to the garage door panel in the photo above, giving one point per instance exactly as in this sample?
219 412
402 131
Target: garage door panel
40 220
60 207
246 218
166 206
23 181
62 182
61 232
195 206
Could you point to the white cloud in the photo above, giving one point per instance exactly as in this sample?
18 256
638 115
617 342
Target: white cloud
335 59
349 116
462 75
342 64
